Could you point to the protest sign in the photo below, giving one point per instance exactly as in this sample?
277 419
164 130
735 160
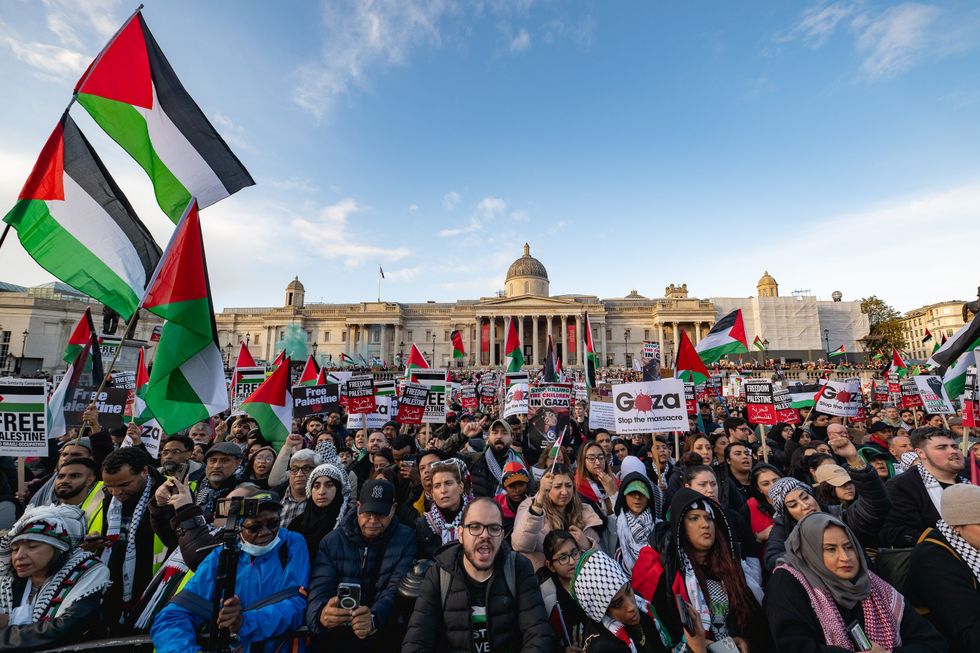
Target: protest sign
108 346
601 416
548 412
894 385
759 405
971 409
910 394
412 403
881 393
841 398
690 399
247 382
22 417
488 394
515 400
581 392
933 395
783 402
157 332
435 381
650 407
124 380
385 407
467 397
360 395
111 404
650 360
339 377
309 400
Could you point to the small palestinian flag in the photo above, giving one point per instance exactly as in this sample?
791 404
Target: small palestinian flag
457 340
321 378
244 360
591 358
54 414
279 359
416 361
310 372
346 360
879 356
804 395
935 346
690 367
837 352
271 406
76 223
758 344
727 336
83 334
898 365
135 96
514 358
927 337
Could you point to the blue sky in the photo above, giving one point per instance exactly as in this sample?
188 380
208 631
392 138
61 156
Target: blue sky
632 144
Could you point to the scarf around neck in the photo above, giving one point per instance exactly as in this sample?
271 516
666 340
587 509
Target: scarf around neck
447 532
71 583
496 469
964 549
634 533
114 526
933 487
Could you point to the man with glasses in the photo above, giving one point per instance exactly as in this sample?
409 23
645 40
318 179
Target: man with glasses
738 430
293 491
175 459
362 561
221 475
273 567
479 595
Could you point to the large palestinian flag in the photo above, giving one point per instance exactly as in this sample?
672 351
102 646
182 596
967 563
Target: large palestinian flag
271 406
513 356
135 96
187 384
727 336
457 339
955 356
690 367
76 223
591 359
416 361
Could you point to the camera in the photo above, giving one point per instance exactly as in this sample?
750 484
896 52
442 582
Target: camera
247 507
348 595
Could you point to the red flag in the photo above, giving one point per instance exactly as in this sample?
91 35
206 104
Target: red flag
689 364
310 372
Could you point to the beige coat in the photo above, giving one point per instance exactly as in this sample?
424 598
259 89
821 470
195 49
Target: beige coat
530 531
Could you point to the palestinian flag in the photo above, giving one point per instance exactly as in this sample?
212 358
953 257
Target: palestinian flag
271 405
898 365
955 356
76 223
804 395
591 359
927 337
514 358
550 369
936 345
457 340
559 371
187 384
727 336
132 92
690 367
22 399
244 360
757 343
879 356
310 372
346 360
54 413
837 352
321 378
279 359
416 361
83 334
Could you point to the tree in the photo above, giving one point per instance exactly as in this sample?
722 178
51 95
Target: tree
886 325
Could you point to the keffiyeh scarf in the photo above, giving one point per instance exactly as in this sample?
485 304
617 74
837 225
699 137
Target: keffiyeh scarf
447 532
712 609
114 526
634 533
933 488
963 548
68 585
496 468
882 611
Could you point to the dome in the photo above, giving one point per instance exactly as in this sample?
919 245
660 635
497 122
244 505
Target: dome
526 266
295 284
767 280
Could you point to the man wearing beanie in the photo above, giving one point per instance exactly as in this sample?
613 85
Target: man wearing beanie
944 576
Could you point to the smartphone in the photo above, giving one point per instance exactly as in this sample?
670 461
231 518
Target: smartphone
349 595
686 620
857 634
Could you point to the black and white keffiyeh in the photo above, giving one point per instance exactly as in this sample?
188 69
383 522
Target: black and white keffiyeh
933 488
634 533
495 468
447 531
964 549
113 528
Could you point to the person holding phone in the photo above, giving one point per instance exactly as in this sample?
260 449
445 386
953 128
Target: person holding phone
822 597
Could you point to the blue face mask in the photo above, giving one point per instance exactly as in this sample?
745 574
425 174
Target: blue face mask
255 550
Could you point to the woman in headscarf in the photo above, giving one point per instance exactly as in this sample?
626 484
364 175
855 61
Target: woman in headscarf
440 524
822 588
699 564
618 619
944 576
50 588
328 494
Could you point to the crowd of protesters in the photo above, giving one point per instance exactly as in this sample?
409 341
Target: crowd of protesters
469 536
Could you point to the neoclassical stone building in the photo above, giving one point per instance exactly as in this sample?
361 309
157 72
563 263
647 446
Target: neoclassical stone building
385 330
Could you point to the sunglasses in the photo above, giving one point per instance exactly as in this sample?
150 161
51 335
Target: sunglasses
272 525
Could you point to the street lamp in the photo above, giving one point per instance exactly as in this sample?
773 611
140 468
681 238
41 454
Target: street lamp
248 337
315 345
626 336
433 349
826 337
23 348
401 352
228 354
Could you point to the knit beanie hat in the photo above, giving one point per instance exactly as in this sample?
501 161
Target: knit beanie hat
960 504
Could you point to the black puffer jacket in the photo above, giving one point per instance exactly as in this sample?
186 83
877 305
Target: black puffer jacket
377 566
515 624
67 627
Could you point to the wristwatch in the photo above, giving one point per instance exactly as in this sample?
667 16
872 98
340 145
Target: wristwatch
191 522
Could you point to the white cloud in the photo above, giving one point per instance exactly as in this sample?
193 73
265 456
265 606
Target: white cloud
293 184
232 132
49 60
819 23
328 235
359 36
519 216
487 211
521 42
894 41
413 208
451 200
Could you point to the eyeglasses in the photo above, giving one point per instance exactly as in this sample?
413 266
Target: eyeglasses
596 458
306 469
476 529
172 452
565 558
254 528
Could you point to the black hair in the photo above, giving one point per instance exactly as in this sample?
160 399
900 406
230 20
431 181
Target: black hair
920 436
761 498
478 500
183 439
797 466
402 441
136 459
732 423
553 540
732 445
84 462
386 454
691 472
691 458
439 453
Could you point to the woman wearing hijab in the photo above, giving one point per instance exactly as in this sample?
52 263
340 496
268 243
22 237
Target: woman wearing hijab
328 496
698 563
50 588
822 587
944 576
619 621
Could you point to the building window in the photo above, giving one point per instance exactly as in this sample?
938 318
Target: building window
258 338
376 336
629 360
326 336
445 335
409 336
343 335
608 334
4 348
646 334
289 299
428 334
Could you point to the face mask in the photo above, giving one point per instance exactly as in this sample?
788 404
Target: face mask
255 550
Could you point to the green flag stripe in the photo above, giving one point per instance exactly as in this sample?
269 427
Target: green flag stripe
179 406
60 253
713 355
125 125
9 407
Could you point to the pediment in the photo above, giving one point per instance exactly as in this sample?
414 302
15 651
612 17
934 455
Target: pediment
528 301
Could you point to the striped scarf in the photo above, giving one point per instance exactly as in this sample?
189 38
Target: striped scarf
58 590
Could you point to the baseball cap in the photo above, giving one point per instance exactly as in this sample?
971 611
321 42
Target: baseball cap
637 486
268 499
377 496
502 423
833 474
512 472
225 448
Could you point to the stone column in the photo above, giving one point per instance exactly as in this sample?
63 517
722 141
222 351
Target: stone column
520 333
479 340
602 358
549 318
564 340
493 340
677 342
534 343
384 350
697 332
660 335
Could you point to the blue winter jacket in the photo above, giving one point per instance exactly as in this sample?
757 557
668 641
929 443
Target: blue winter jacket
175 628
